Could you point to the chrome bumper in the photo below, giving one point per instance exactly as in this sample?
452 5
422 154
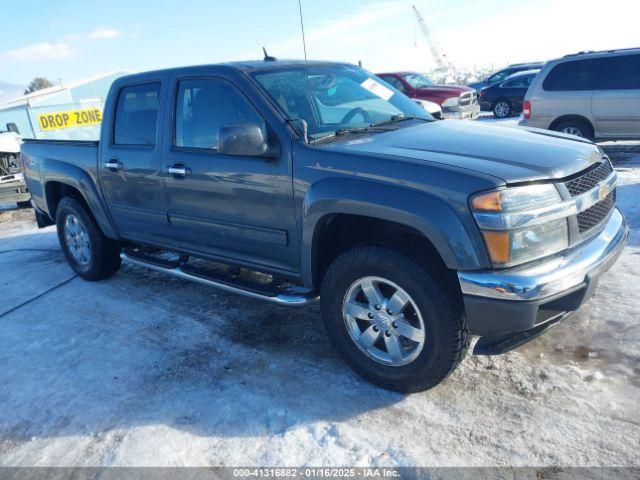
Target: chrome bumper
559 274
469 112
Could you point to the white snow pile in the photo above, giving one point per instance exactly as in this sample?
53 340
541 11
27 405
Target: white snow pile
145 370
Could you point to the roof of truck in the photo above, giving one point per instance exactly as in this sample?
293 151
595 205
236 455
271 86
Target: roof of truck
247 66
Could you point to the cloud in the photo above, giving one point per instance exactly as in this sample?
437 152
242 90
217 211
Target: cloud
41 51
104 33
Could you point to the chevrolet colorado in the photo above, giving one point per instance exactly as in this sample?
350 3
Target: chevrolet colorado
289 181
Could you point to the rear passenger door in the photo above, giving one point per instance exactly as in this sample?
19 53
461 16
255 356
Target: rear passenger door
130 165
616 97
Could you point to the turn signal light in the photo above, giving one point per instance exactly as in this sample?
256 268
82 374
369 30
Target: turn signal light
490 201
498 245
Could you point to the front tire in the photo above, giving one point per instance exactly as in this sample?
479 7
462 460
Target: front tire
392 320
89 252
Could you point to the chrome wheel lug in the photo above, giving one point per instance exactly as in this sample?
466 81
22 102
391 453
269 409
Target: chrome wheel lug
387 333
378 307
376 329
394 324
370 315
389 311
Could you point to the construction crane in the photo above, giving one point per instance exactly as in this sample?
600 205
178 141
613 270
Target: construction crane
437 56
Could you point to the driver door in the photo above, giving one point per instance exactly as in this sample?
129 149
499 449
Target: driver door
230 207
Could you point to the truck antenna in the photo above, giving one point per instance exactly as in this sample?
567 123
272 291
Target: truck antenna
306 62
267 57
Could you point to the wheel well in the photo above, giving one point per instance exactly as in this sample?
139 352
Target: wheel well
571 118
336 233
56 191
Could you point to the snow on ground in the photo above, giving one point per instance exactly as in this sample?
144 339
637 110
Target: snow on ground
146 370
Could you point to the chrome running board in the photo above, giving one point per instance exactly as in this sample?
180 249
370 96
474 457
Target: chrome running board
293 299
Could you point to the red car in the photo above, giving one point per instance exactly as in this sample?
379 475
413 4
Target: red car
457 101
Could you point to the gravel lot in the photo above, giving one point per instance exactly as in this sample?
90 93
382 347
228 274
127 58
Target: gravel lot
146 370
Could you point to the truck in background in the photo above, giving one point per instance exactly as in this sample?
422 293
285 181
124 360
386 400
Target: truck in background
13 187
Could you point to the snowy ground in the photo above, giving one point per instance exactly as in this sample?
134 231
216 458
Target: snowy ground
147 370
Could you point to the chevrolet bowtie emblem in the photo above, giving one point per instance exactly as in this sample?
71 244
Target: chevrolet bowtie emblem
603 192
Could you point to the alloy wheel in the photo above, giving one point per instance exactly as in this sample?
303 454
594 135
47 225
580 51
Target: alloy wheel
573 131
77 240
383 321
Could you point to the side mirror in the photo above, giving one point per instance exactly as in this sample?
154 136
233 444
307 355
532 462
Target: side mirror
12 127
300 127
246 140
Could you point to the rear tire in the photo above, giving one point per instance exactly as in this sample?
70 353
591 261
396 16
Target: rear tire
90 253
423 360
578 128
502 109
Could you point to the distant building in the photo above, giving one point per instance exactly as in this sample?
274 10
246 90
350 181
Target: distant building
70 111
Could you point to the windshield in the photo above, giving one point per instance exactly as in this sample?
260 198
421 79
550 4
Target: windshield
417 80
342 97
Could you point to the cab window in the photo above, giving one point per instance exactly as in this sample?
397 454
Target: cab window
204 106
136 116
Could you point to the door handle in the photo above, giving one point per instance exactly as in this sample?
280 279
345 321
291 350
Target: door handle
178 171
113 164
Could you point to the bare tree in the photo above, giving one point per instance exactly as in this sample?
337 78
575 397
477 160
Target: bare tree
38 83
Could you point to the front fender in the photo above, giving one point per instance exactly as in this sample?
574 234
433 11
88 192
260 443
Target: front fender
73 176
460 248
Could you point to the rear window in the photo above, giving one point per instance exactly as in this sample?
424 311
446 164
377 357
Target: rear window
136 116
618 73
570 76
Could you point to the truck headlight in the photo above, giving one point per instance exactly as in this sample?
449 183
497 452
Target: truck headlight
520 224
451 102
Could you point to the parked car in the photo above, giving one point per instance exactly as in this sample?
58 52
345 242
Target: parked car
457 101
595 95
505 99
432 107
414 233
505 73
13 188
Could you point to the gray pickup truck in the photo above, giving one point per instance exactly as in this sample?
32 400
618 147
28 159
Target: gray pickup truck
292 182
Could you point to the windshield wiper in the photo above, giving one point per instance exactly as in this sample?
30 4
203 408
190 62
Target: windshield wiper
348 131
341 132
400 117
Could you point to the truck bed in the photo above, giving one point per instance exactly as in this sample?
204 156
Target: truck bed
55 160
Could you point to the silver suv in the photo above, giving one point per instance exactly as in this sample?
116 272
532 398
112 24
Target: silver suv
595 95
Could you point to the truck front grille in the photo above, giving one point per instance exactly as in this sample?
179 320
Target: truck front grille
596 214
468 98
588 180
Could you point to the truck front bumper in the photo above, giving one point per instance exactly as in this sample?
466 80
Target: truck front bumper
501 303
13 189
469 112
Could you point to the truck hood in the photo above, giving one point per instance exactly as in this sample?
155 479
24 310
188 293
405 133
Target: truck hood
511 154
449 90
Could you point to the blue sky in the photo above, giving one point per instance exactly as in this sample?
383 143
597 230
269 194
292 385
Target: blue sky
73 39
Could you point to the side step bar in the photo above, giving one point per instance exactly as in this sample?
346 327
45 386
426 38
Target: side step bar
290 299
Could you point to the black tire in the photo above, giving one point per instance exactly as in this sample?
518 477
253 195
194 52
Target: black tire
104 259
26 204
577 127
446 339
502 108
